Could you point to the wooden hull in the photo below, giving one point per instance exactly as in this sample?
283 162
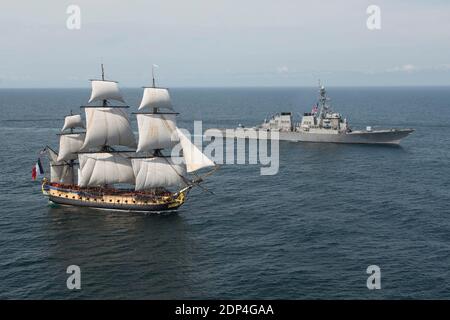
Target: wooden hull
124 201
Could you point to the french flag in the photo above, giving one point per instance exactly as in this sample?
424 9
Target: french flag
37 170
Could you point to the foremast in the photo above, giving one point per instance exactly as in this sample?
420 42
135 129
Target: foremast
62 164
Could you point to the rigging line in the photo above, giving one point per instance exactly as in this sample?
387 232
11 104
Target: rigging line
186 181
200 178
202 187
216 167
65 161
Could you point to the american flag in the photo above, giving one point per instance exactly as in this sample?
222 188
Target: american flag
315 108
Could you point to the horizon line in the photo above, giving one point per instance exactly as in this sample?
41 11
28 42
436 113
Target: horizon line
248 87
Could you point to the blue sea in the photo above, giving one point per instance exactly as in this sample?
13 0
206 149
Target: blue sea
308 232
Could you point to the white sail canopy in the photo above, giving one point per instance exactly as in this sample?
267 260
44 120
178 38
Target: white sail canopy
108 126
157 172
72 122
69 144
105 90
60 171
194 158
52 155
100 169
62 174
156 131
156 98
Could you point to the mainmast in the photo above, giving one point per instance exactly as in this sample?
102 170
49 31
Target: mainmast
72 161
153 75
105 102
155 108
107 126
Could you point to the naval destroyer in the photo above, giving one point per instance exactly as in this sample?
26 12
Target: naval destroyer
322 124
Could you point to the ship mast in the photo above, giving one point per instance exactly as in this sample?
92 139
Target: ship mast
324 108
105 102
156 152
153 75
158 131
70 143
152 120
155 109
107 126
72 161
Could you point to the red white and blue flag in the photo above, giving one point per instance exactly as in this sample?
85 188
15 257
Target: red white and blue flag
37 170
315 109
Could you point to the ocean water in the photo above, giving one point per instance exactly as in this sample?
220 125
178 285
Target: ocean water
308 232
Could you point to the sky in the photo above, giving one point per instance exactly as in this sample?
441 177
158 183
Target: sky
225 43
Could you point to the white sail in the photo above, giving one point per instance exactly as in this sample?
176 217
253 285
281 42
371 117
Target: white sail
194 158
156 98
157 172
105 90
100 169
69 144
52 155
156 131
60 171
108 126
72 122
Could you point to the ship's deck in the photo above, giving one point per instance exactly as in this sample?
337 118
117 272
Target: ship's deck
103 191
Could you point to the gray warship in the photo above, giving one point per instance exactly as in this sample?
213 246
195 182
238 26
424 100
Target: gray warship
322 124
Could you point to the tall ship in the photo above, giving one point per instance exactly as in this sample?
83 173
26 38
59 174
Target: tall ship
105 167
322 124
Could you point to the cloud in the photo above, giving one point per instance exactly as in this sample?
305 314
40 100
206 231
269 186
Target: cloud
443 67
282 69
408 68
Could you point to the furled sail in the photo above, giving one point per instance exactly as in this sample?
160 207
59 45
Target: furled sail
105 90
156 131
194 158
100 169
157 172
72 122
108 127
156 98
69 144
